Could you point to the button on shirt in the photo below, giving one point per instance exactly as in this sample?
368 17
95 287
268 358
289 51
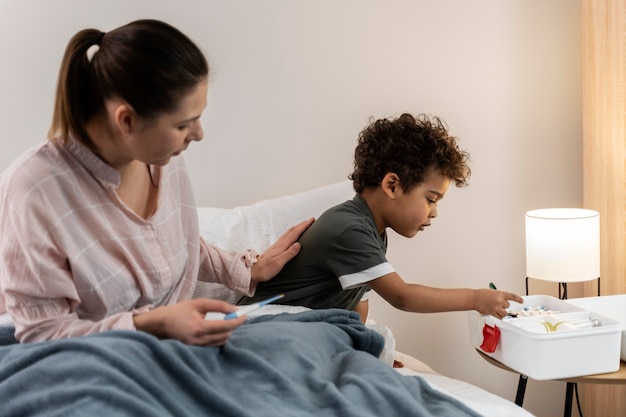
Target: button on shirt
75 260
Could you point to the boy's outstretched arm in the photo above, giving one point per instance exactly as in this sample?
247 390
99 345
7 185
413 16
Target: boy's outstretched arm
423 299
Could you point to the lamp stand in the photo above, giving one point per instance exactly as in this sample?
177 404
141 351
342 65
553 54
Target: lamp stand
563 289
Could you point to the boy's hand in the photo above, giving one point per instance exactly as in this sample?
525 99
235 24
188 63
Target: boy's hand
495 302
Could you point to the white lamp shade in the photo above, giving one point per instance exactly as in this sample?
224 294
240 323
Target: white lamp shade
563 244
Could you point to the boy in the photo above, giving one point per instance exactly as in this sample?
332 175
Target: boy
402 169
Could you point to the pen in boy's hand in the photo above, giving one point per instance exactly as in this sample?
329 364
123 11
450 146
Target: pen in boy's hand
492 286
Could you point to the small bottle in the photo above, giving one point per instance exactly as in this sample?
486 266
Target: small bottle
576 324
549 326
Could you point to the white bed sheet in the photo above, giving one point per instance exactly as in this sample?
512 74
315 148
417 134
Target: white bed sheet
5 320
475 398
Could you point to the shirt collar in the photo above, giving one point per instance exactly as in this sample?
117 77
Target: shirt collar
102 171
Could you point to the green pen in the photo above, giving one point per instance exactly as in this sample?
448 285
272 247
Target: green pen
492 286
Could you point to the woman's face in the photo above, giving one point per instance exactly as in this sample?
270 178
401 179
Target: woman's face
156 141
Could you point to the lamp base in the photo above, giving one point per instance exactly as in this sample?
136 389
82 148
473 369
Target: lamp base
562 288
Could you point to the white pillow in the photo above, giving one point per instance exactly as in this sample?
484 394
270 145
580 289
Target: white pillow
259 225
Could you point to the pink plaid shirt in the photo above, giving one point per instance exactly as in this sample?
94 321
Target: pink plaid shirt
75 260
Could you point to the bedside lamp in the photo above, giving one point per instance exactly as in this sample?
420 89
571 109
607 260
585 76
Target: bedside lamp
563 245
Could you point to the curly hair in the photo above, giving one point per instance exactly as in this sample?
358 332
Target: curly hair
407 146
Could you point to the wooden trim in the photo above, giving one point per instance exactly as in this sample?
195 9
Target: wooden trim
604 162
604 184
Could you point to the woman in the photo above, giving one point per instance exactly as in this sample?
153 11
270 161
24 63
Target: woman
98 226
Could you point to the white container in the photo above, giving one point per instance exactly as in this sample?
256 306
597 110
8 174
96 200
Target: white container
552 355
613 306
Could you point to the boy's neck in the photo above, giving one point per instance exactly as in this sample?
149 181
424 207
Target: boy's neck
376 201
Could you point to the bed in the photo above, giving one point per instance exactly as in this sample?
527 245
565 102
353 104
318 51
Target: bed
285 360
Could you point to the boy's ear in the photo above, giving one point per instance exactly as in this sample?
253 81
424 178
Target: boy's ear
391 185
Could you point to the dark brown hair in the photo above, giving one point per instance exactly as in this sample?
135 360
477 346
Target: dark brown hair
407 146
148 63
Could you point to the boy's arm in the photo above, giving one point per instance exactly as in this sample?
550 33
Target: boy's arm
423 299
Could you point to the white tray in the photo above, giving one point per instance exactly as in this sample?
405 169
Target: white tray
553 355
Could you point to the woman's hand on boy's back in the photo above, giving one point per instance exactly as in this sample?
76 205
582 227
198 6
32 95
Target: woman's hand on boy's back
282 251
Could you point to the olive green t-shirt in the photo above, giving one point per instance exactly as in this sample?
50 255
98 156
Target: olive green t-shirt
341 252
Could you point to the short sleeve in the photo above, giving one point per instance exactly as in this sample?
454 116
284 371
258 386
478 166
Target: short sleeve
358 256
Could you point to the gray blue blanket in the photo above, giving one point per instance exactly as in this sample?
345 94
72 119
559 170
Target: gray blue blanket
317 363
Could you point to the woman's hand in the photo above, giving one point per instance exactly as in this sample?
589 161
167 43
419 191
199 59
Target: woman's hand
185 321
276 256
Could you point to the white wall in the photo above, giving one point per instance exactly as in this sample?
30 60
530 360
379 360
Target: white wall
294 82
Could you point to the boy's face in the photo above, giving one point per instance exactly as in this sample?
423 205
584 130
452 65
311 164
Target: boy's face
411 211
